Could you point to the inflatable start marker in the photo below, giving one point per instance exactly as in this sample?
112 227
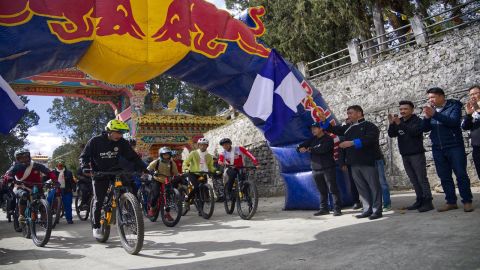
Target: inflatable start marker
125 42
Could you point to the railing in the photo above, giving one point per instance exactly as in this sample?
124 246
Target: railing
416 32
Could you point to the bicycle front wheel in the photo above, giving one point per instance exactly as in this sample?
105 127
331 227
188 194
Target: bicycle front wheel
247 200
40 222
230 198
207 200
56 210
171 211
16 224
130 223
82 208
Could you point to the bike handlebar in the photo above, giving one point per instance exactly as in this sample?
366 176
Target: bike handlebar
243 167
115 173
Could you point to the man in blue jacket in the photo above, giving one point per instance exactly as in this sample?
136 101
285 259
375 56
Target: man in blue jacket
442 118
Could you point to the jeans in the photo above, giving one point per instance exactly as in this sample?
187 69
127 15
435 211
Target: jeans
380 164
67 198
446 161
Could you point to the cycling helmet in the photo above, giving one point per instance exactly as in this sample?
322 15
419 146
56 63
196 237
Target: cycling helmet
203 141
21 152
165 150
316 124
225 140
118 126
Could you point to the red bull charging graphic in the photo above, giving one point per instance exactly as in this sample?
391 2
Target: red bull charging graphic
127 42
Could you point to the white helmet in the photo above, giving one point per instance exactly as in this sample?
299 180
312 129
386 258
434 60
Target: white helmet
203 141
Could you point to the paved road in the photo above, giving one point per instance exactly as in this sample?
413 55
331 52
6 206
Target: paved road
275 239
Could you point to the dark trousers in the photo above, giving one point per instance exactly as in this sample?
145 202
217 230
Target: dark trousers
476 158
100 188
368 184
157 187
416 168
86 188
326 181
446 161
231 174
353 187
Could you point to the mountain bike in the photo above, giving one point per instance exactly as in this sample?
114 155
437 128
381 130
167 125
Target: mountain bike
168 204
56 206
205 201
37 223
244 193
9 201
122 208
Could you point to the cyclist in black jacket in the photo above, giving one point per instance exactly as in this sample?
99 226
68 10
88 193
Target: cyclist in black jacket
323 165
103 153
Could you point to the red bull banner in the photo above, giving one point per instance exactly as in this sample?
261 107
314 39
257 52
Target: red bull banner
126 42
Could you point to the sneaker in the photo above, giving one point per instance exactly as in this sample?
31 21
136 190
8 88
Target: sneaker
152 212
97 232
69 221
387 208
357 205
337 212
375 216
417 204
468 207
168 217
447 207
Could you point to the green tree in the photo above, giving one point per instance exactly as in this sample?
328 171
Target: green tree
78 119
69 152
17 138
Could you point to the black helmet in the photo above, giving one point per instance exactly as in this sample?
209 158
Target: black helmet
225 140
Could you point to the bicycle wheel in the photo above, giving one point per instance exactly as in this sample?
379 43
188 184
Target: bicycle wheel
183 196
41 222
172 207
103 223
16 224
56 210
81 207
229 201
207 200
130 223
247 200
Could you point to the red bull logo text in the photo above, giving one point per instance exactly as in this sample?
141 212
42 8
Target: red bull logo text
74 22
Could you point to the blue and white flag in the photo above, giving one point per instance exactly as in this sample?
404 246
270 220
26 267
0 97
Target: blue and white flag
11 107
274 96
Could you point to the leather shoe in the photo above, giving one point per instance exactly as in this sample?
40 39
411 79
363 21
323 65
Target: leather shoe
337 212
375 216
468 207
416 205
357 206
363 215
426 206
447 207
322 212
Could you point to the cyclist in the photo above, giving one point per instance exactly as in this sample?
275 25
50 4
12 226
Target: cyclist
163 165
233 156
84 184
29 172
102 153
65 178
198 161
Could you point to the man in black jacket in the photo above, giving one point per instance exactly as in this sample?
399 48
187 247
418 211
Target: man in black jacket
471 122
361 141
409 132
103 153
323 165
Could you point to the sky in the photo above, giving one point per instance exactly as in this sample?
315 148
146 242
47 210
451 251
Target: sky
45 137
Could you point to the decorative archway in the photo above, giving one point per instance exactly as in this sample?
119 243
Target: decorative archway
121 43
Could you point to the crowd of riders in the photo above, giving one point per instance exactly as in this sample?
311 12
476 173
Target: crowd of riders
110 151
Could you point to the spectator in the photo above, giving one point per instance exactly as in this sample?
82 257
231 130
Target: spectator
380 165
361 141
323 165
408 131
442 118
471 122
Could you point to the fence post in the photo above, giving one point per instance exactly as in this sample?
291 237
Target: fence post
303 68
354 51
419 30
